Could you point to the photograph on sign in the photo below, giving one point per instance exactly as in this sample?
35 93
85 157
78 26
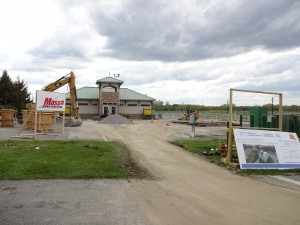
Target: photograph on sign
260 153
50 101
261 149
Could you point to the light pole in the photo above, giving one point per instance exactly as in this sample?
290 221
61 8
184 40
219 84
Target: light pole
272 106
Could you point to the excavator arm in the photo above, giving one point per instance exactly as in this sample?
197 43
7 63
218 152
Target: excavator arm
69 79
60 82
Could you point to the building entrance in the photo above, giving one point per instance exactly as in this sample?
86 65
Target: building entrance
109 110
106 111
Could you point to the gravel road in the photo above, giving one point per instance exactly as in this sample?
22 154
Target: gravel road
186 189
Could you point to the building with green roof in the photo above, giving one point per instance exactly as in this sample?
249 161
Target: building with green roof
109 98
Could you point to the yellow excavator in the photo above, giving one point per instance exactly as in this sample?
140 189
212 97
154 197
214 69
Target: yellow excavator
74 120
188 113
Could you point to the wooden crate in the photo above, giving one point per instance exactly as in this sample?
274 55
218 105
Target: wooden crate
7 123
45 120
8 117
7 114
46 117
29 121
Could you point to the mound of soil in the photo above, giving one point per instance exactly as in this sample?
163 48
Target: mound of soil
115 119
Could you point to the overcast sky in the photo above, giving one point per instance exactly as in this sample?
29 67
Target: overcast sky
179 51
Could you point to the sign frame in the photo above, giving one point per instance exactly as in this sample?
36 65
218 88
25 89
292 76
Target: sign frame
228 159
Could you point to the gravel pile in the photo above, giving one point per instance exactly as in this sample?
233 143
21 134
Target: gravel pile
115 119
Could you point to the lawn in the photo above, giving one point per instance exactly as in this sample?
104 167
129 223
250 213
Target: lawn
66 160
197 146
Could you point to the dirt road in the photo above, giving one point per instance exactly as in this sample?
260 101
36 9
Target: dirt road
190 190
186 189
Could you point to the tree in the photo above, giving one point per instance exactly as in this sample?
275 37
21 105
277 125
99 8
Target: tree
159 102
13 94
6 88
21 94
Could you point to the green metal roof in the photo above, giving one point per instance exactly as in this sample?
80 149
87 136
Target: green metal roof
87 93
127 94
92 93
109 80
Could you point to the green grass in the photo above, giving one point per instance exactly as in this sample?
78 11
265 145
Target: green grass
66 160
271 172
197 146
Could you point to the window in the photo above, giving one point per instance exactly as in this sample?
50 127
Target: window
105 103
145 104
131 104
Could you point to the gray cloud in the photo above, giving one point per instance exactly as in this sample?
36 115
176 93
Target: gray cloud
197 49
71 39
285 85
160 30
59 47
173 31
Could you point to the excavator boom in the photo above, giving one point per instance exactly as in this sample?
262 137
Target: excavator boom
74 120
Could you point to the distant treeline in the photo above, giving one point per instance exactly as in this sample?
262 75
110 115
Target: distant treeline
158 106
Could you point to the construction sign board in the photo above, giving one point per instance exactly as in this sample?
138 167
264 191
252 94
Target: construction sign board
50 101
261 149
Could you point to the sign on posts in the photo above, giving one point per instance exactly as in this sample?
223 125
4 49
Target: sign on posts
50 101
261 149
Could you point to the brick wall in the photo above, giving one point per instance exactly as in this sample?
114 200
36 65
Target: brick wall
110 97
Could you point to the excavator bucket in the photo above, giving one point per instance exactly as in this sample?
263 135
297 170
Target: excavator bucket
72 122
